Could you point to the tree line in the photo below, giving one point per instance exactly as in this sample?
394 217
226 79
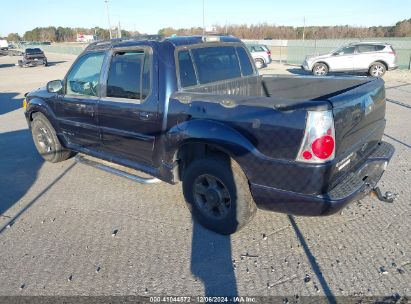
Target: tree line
267 31
257 31
65 34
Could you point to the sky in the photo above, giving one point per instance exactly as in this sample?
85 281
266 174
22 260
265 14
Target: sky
150 16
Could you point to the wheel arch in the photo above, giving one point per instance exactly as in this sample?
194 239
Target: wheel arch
378 61
222 142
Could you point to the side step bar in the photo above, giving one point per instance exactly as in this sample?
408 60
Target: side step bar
83 160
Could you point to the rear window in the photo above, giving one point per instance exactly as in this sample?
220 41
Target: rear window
216 63
379 47
33 51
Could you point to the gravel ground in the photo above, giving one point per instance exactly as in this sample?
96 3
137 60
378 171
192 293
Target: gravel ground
68 229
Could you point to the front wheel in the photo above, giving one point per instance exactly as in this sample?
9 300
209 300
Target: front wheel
377 69
320 69
218 195
46 141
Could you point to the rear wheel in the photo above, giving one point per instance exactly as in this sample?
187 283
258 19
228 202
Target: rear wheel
218 195
377 69
46 141
320 69
259 63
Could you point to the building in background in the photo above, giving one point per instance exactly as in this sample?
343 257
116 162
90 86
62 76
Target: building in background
85 38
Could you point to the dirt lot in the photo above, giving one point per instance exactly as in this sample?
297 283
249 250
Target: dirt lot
57 223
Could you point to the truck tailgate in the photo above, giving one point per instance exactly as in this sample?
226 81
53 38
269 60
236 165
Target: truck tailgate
359 121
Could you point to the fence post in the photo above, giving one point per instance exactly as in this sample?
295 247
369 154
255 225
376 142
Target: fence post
281 45
409 64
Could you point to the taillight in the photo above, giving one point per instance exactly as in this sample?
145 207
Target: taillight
318 144
269 53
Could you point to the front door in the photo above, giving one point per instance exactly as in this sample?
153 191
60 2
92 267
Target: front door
128 109
76 108
342 60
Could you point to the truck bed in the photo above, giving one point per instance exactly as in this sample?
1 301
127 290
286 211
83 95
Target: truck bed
291 88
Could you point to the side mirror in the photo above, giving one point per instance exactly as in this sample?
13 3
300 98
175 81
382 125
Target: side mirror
336 54
54 86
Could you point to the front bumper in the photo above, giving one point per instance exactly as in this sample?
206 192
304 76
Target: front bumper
306 67
354 186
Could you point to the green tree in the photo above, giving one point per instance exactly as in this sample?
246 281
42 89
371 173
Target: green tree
13 37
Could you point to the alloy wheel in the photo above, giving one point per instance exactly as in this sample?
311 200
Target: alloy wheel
211 196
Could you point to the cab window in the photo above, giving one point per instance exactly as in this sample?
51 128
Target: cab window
84 77
246 67
129 75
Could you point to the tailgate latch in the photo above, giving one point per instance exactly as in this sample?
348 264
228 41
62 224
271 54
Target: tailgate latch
388 197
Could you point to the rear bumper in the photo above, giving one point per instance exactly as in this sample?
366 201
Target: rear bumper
354 186
32 62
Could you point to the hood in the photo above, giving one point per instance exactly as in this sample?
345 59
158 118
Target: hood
40 92
320 56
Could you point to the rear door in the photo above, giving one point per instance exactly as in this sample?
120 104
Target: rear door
342 60
76 107
128 109
366 54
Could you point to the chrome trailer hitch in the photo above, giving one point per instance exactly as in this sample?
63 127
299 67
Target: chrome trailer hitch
388 197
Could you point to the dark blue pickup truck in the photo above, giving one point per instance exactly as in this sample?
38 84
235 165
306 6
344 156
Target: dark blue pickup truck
194 109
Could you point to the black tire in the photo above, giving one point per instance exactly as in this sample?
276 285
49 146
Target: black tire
230 193
259 63
45 63
320 69
377 69
46 141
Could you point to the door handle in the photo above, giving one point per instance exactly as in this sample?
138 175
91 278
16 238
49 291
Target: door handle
145 115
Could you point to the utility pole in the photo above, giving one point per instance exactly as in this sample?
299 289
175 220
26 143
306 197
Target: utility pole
203 20
304 30
119 30
108 19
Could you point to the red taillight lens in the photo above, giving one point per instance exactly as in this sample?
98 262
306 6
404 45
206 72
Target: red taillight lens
318 144
269 53
323 147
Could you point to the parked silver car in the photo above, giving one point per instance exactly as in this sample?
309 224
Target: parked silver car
261 54
372 57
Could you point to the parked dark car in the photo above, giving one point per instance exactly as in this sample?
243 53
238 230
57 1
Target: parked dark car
33 57
194 109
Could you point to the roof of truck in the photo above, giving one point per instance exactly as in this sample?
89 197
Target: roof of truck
176 41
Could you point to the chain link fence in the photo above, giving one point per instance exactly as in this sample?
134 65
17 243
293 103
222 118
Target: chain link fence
58 48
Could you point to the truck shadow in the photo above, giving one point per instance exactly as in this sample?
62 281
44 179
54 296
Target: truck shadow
19 164
211 262
9 102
